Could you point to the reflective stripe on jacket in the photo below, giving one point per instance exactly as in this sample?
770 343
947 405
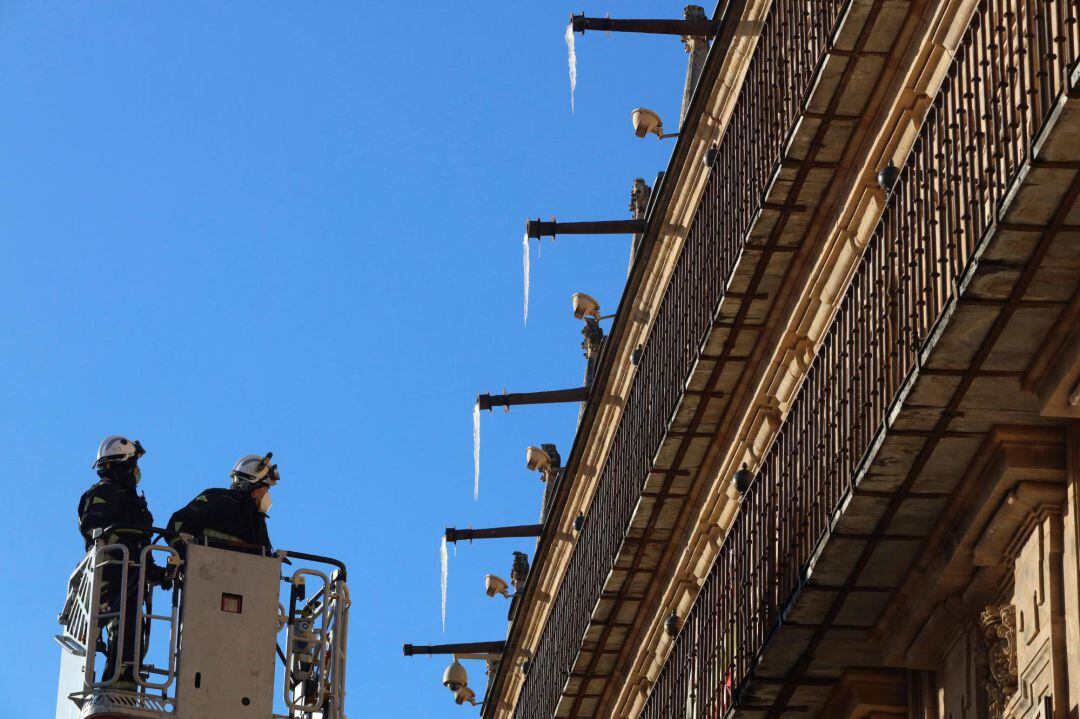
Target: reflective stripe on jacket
109 503
226 514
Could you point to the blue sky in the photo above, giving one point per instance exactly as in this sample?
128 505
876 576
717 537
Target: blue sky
237 227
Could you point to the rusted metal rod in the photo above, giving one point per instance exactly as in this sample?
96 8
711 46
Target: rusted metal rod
539 228
466 648
696 28
554 396
522 530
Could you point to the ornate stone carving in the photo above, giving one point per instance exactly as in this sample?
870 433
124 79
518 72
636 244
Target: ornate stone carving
594 338
693 12
591 345
999 629
698 48
639 198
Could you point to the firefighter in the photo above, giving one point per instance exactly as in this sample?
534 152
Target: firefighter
234 517
113 502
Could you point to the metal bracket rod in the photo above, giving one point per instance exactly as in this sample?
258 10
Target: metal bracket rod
466 648
522 530
539 228
576 394
694 28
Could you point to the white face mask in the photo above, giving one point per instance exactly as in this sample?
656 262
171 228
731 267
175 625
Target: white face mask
265 503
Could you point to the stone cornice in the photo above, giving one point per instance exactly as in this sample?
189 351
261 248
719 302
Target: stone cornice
637 311
1018 476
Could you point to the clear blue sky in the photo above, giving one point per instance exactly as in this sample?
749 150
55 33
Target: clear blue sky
233 227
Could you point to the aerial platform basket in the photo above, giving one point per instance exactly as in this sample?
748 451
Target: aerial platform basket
214 651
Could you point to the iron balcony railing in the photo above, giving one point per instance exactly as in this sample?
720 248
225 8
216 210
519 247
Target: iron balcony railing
1011 68
790 50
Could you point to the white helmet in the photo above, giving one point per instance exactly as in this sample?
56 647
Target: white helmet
252 470
115 448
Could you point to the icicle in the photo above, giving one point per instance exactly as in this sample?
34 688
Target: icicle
445 572
476 450
525 262
573 63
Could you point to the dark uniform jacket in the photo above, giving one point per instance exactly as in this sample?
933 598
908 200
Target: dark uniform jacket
115 503
230 515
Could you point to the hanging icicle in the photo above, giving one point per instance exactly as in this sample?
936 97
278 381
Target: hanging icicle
525 263
573 63
476 450
445 559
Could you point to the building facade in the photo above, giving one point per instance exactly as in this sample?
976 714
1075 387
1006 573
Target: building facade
892 352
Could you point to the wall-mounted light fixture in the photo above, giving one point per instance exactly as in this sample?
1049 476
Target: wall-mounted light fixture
711 154
672 625
742 479
455 677
494 584
587 306
646 122
544 459
887 176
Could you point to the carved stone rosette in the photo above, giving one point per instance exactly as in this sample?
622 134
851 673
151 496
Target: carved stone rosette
999 629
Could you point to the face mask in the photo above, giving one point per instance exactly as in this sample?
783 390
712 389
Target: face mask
265 503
